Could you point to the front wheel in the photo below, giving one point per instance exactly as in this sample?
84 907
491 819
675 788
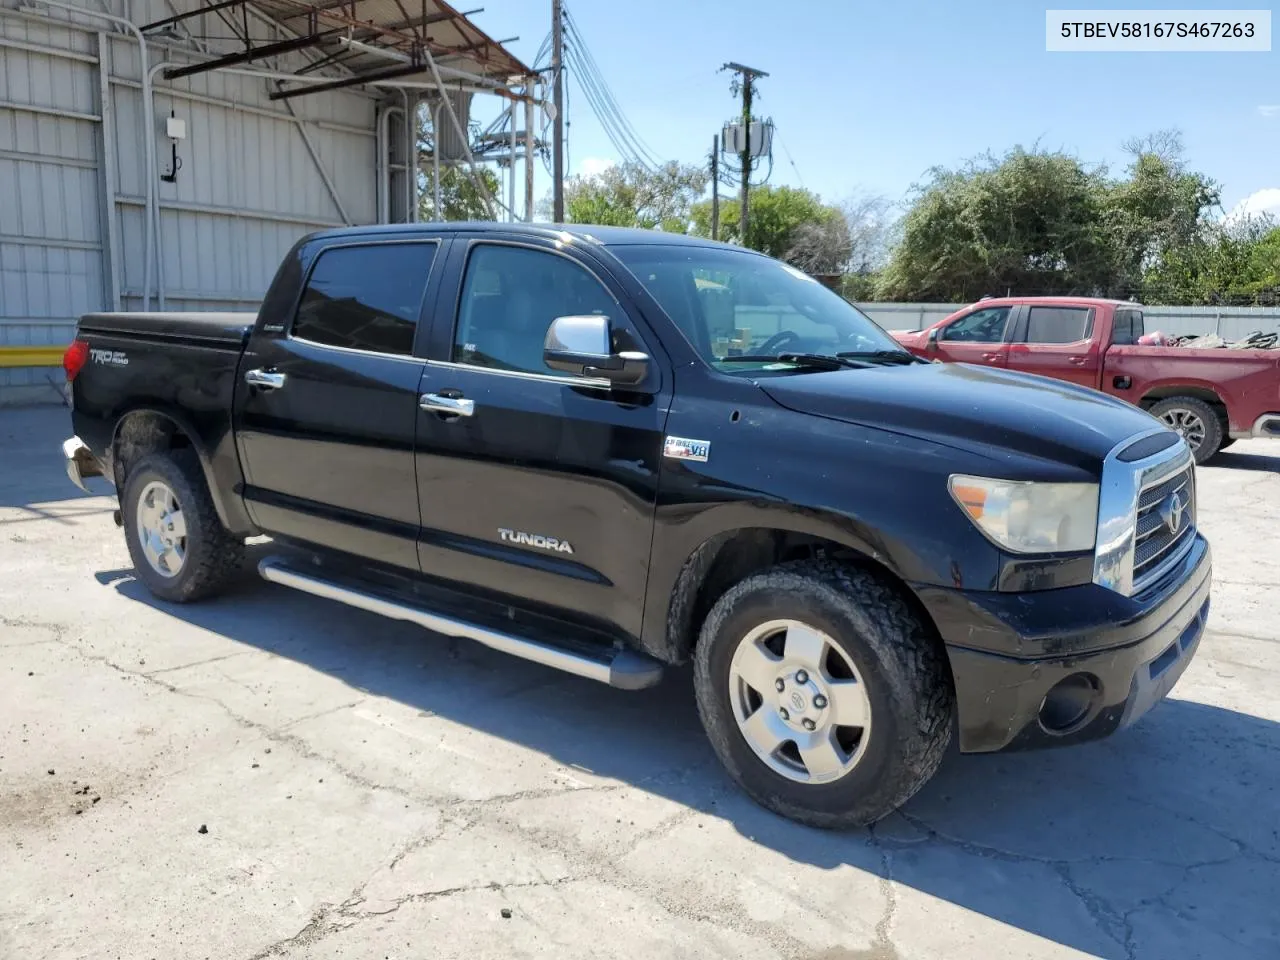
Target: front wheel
825 697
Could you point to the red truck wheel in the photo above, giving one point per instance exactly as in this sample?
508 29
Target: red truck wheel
1195 420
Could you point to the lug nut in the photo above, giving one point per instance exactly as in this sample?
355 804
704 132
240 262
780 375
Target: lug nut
802 677
819 701
779 685
809 724
782 711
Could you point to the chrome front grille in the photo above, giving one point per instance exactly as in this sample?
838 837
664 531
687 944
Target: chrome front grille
1157 545
1146 513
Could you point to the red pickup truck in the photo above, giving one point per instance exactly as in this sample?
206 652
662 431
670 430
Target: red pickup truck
1211 396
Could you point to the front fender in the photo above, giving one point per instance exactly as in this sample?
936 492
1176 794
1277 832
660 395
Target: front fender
754 531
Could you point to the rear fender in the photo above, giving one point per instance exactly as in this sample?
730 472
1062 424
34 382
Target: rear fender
149 428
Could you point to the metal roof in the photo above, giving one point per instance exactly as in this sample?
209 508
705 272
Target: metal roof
370 40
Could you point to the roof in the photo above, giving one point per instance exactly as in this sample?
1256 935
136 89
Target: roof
587 233
370 40
1065 298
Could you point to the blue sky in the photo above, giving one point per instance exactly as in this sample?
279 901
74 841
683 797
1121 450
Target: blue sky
868 96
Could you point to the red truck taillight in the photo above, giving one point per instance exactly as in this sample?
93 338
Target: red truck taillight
75 358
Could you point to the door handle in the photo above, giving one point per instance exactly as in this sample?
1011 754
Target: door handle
1076 361
266 379
991 357
457 406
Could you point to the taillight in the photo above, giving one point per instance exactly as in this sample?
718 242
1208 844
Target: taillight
75 358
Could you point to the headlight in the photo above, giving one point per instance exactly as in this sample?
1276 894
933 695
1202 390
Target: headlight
1029 517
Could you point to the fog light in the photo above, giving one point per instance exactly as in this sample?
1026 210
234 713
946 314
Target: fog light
1069 703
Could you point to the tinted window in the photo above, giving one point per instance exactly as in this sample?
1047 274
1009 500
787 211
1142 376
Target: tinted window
366 298
1058 324
510 295
1127 327
981 326
732 303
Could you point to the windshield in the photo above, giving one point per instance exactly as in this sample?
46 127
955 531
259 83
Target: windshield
742 311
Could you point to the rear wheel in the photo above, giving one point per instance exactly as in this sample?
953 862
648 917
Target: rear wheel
1195 420
180 549
823 694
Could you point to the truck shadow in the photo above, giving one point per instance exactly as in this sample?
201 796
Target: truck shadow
1158 836
1246 461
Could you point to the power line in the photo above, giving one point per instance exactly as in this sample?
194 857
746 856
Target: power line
789 160
603 103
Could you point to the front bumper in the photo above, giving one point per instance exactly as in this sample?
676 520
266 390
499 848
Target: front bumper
1011 653
80 461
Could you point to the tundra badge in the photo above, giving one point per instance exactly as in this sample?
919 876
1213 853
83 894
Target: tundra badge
535 540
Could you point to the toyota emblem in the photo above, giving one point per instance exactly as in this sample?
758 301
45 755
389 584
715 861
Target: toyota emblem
1171 514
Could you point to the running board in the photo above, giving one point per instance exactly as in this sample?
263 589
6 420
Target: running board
624 669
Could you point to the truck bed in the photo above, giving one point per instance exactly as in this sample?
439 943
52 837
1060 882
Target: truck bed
208 327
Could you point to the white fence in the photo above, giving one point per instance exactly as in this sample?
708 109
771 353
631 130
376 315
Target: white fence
1231 323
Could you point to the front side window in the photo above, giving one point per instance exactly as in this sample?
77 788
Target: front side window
738 308
365 297
510 296
1058 324
981 326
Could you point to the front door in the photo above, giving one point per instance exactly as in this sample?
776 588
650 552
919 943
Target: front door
537 486
1057 341
976 337
327 408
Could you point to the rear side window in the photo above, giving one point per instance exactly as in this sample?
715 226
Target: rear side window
1058 324
1127 327
366 297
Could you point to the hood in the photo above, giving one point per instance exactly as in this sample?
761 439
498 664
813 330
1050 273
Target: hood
964 405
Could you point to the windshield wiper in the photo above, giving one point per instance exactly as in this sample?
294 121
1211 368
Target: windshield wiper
882 356
815 361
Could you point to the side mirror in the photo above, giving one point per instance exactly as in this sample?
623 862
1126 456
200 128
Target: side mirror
582 346
933 338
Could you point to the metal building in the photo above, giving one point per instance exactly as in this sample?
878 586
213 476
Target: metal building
166 153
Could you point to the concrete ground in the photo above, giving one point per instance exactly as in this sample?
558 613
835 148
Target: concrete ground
272 775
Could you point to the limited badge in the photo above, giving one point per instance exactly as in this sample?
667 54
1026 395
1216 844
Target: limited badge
682 448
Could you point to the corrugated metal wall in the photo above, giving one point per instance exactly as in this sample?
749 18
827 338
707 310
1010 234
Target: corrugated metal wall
254 174
1230 323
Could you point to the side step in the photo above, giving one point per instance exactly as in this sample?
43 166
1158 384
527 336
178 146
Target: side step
624 669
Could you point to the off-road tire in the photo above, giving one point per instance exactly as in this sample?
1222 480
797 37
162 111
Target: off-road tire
214 557
899 658
1213 431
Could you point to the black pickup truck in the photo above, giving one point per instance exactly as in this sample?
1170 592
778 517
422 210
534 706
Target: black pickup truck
611 451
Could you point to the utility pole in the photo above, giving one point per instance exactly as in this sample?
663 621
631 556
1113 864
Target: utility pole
715 187
745 82
528 151
557 98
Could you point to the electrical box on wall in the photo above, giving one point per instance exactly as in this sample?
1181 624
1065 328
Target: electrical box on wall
175 128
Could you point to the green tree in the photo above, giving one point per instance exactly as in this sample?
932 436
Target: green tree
777 213
460 198
1038 222
632 195
1029 221
1234 261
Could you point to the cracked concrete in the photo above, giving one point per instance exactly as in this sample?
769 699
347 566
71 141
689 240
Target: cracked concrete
368 790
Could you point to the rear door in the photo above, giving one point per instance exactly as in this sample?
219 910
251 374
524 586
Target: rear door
1057 340
976 337
543 493
327 407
